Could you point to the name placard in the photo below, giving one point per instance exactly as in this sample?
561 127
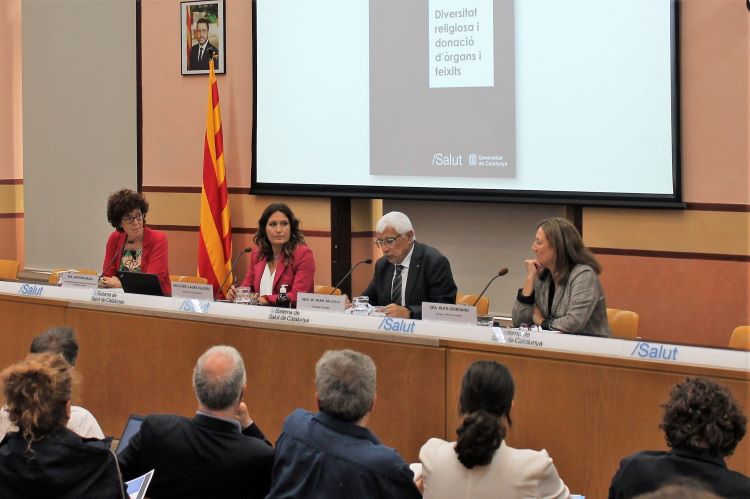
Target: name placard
321 303
201 292
73 279
108 296
449 312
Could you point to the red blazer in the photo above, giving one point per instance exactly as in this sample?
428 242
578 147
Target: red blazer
154 258
298 274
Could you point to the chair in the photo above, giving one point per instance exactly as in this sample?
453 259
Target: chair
623 323
740 338
326 290
54 277
483 305
9 269
192 279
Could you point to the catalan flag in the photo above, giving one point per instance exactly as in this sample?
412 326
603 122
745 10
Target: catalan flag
215 240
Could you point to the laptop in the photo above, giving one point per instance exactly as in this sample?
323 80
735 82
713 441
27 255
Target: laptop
140 283
132 426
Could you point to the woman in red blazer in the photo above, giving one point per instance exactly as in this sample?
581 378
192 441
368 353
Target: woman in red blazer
133 246
280 257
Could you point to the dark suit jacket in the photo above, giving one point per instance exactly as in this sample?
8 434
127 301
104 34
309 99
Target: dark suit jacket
647 471
195 63
430 279
199 457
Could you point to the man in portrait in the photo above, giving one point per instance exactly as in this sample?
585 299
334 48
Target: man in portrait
203 51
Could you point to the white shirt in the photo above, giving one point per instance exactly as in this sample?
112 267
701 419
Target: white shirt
266 281
404 274
81 421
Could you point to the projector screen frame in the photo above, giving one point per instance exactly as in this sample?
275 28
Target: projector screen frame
511 196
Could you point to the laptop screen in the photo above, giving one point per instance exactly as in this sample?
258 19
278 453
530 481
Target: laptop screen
131 428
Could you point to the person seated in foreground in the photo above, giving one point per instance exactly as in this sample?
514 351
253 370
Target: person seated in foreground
44 459
219 452
281 257
332 454
680 488
60 340
702 424
480 464
562 291
409 272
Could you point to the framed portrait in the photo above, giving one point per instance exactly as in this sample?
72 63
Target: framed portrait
203 36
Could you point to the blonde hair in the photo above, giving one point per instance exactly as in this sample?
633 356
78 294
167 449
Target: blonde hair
36 392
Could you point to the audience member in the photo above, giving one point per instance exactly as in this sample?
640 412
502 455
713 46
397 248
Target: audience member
680 488
409 272
220 452
480 464
562 291
44 459
702 424
60 340
332 454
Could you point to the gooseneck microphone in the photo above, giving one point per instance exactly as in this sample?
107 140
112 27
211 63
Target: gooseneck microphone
114 257
367 261
231 269
500 273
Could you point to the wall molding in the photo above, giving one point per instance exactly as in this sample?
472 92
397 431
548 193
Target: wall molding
11 215
670 254
735 208
189 190
235 230
11 181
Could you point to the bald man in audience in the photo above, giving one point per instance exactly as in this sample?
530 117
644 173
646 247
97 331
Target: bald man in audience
219 452
60 340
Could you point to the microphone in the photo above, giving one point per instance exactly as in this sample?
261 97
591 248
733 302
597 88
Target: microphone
231 269
367 261
500 273
119 253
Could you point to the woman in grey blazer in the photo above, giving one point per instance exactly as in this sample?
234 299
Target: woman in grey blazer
562 291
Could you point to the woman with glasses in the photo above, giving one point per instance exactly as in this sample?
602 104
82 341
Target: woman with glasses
562 291
479 464
280 258
133 247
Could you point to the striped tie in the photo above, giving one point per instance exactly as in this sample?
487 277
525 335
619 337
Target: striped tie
396 288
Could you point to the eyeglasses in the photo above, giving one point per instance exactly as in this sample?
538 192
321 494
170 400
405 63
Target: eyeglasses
388 241
129 219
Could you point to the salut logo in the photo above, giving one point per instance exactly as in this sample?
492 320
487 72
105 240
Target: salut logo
397 325
645 350
440 159
31 290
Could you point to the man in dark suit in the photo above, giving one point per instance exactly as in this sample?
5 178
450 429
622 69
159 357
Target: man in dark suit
219 452
409 272
203 51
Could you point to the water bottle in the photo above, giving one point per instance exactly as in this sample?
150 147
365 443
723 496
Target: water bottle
282 300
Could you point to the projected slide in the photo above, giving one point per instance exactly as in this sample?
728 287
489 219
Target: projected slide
441 67
532 99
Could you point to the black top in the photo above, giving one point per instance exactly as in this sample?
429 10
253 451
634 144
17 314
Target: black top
647 471
199 457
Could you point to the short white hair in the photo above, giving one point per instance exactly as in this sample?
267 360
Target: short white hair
395 219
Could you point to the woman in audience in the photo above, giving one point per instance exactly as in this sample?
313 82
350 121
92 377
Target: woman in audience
480 464
562 290
133 247
281 257
43 459
702 424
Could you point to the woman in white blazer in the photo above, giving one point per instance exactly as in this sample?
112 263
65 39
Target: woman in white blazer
480 464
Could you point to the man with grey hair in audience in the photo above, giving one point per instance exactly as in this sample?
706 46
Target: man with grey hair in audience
60 340
332 454
219 452
409 272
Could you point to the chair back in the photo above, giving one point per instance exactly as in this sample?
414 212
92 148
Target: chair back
623 323
483 305
321 289
9 270
54 277
740 338
192 279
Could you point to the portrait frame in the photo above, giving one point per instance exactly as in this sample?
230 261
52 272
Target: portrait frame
193 60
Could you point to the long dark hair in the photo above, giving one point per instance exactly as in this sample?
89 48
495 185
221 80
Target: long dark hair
261 238
486 398
569 248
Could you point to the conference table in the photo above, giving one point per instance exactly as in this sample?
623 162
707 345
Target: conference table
588 401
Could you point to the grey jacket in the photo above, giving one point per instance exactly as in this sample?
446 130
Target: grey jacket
578 307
